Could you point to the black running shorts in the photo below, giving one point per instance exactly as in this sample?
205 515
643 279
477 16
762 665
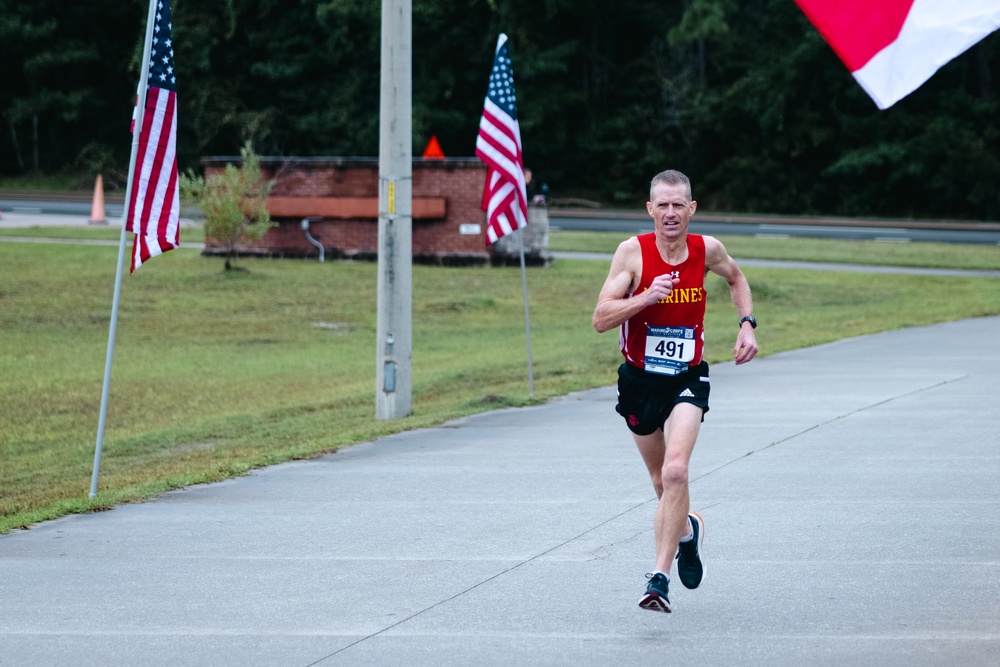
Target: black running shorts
645 400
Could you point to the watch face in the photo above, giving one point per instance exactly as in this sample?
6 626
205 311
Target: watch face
751 319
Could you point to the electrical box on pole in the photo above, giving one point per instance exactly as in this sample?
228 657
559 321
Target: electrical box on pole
393 391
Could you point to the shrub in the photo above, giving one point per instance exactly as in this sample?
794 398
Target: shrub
234 202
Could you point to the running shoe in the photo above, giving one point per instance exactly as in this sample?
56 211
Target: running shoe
690 569
655 598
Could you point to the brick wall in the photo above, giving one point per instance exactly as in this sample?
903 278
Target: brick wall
344 231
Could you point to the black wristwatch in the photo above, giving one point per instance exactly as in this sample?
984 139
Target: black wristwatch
751 319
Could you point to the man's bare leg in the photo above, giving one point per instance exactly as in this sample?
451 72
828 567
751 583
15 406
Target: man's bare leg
666 454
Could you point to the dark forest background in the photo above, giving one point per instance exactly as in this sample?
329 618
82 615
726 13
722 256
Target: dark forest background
745 97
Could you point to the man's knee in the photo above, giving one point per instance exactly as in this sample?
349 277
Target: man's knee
674 473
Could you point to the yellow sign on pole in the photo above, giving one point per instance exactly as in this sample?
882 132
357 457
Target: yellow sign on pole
392 197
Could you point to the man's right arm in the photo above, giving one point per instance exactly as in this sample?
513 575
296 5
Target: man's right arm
613 308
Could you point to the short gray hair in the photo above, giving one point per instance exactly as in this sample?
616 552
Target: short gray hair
671 177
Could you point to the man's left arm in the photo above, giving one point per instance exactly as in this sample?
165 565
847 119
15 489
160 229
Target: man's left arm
718 261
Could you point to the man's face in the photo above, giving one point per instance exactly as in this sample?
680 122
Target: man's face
671 209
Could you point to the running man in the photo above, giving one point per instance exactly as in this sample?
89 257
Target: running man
655 292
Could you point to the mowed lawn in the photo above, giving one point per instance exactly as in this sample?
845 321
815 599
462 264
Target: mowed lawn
216 373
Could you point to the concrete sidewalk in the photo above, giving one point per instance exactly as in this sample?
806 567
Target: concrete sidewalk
850 494
20 218
10 220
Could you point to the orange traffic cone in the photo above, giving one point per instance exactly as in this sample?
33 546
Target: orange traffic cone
433 150
97 215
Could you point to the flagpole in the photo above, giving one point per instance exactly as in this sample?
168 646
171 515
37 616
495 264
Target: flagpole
140 109
527 320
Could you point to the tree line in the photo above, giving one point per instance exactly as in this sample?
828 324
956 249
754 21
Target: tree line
745 97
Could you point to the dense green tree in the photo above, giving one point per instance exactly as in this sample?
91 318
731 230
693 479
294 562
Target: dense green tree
65 93
744 96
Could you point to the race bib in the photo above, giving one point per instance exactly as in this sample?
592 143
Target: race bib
669 349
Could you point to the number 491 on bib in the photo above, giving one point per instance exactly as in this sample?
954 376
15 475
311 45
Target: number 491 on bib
669 349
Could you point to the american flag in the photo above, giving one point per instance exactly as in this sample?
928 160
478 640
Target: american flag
153 213
505 197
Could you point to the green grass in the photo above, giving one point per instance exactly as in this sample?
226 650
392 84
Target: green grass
217 373
936 255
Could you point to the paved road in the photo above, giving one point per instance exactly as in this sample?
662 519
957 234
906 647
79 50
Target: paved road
849 493
706 222
14 219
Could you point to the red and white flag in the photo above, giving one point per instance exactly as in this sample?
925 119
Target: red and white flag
893 46
153 212
505 196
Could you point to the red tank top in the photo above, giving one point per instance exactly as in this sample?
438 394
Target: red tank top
668 337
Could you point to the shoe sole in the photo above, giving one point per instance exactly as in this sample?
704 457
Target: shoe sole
701 540
654 602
